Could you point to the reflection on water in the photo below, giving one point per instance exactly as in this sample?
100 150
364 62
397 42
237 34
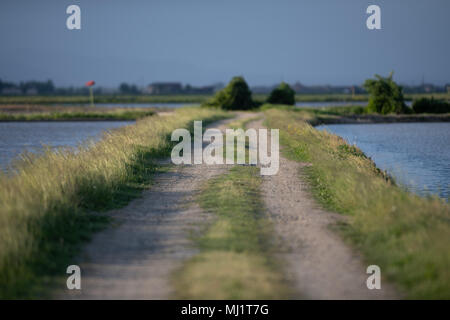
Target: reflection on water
325 104
140 105
314 104
416 154
16 137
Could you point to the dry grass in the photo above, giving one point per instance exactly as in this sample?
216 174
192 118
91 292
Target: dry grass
406 235
46 205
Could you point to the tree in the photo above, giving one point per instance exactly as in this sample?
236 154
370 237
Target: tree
283 94
385 95
235 96
425 105
125 88
40 87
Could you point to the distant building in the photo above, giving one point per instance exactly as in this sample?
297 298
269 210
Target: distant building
164 88
299 88
262 89
428 88
31 91
199 90
11 91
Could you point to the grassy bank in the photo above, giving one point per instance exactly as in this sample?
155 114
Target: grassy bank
357 114
194 98
233 262
48 205
406 235
354 114
191 98
361 97
50 113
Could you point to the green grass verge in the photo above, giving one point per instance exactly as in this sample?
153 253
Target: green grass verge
194 98
50 204
191 98
234 260
102 114
406 235
354 114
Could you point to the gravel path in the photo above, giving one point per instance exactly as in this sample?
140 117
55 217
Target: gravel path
134 259
318 263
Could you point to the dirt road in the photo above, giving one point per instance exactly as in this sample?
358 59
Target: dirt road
135 258
319 265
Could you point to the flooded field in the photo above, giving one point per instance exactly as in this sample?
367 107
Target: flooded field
416 154
16 137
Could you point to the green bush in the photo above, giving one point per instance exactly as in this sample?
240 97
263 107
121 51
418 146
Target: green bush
283 94
385 95
235 96
425 105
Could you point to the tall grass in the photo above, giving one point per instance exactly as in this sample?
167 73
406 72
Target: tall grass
47 205
406 235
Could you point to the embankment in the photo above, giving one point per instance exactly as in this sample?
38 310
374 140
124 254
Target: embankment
60 113
373 118
406 235
47 205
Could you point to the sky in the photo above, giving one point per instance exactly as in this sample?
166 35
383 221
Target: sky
201 42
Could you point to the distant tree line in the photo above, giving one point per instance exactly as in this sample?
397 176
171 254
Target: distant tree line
385 97
126 88
48 88
40 88
29 87
355 89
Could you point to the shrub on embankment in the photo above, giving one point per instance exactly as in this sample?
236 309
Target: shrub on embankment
283 94
426 105
235 96
403 233
385 95
47 203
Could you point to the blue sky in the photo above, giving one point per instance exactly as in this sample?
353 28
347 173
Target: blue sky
206 41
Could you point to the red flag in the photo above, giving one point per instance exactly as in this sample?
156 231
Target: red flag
90 83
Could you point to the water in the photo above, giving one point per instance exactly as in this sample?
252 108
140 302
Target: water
16 137
416 154
140 105
314 104
325 104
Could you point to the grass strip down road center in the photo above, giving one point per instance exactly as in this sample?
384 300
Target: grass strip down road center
234 260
